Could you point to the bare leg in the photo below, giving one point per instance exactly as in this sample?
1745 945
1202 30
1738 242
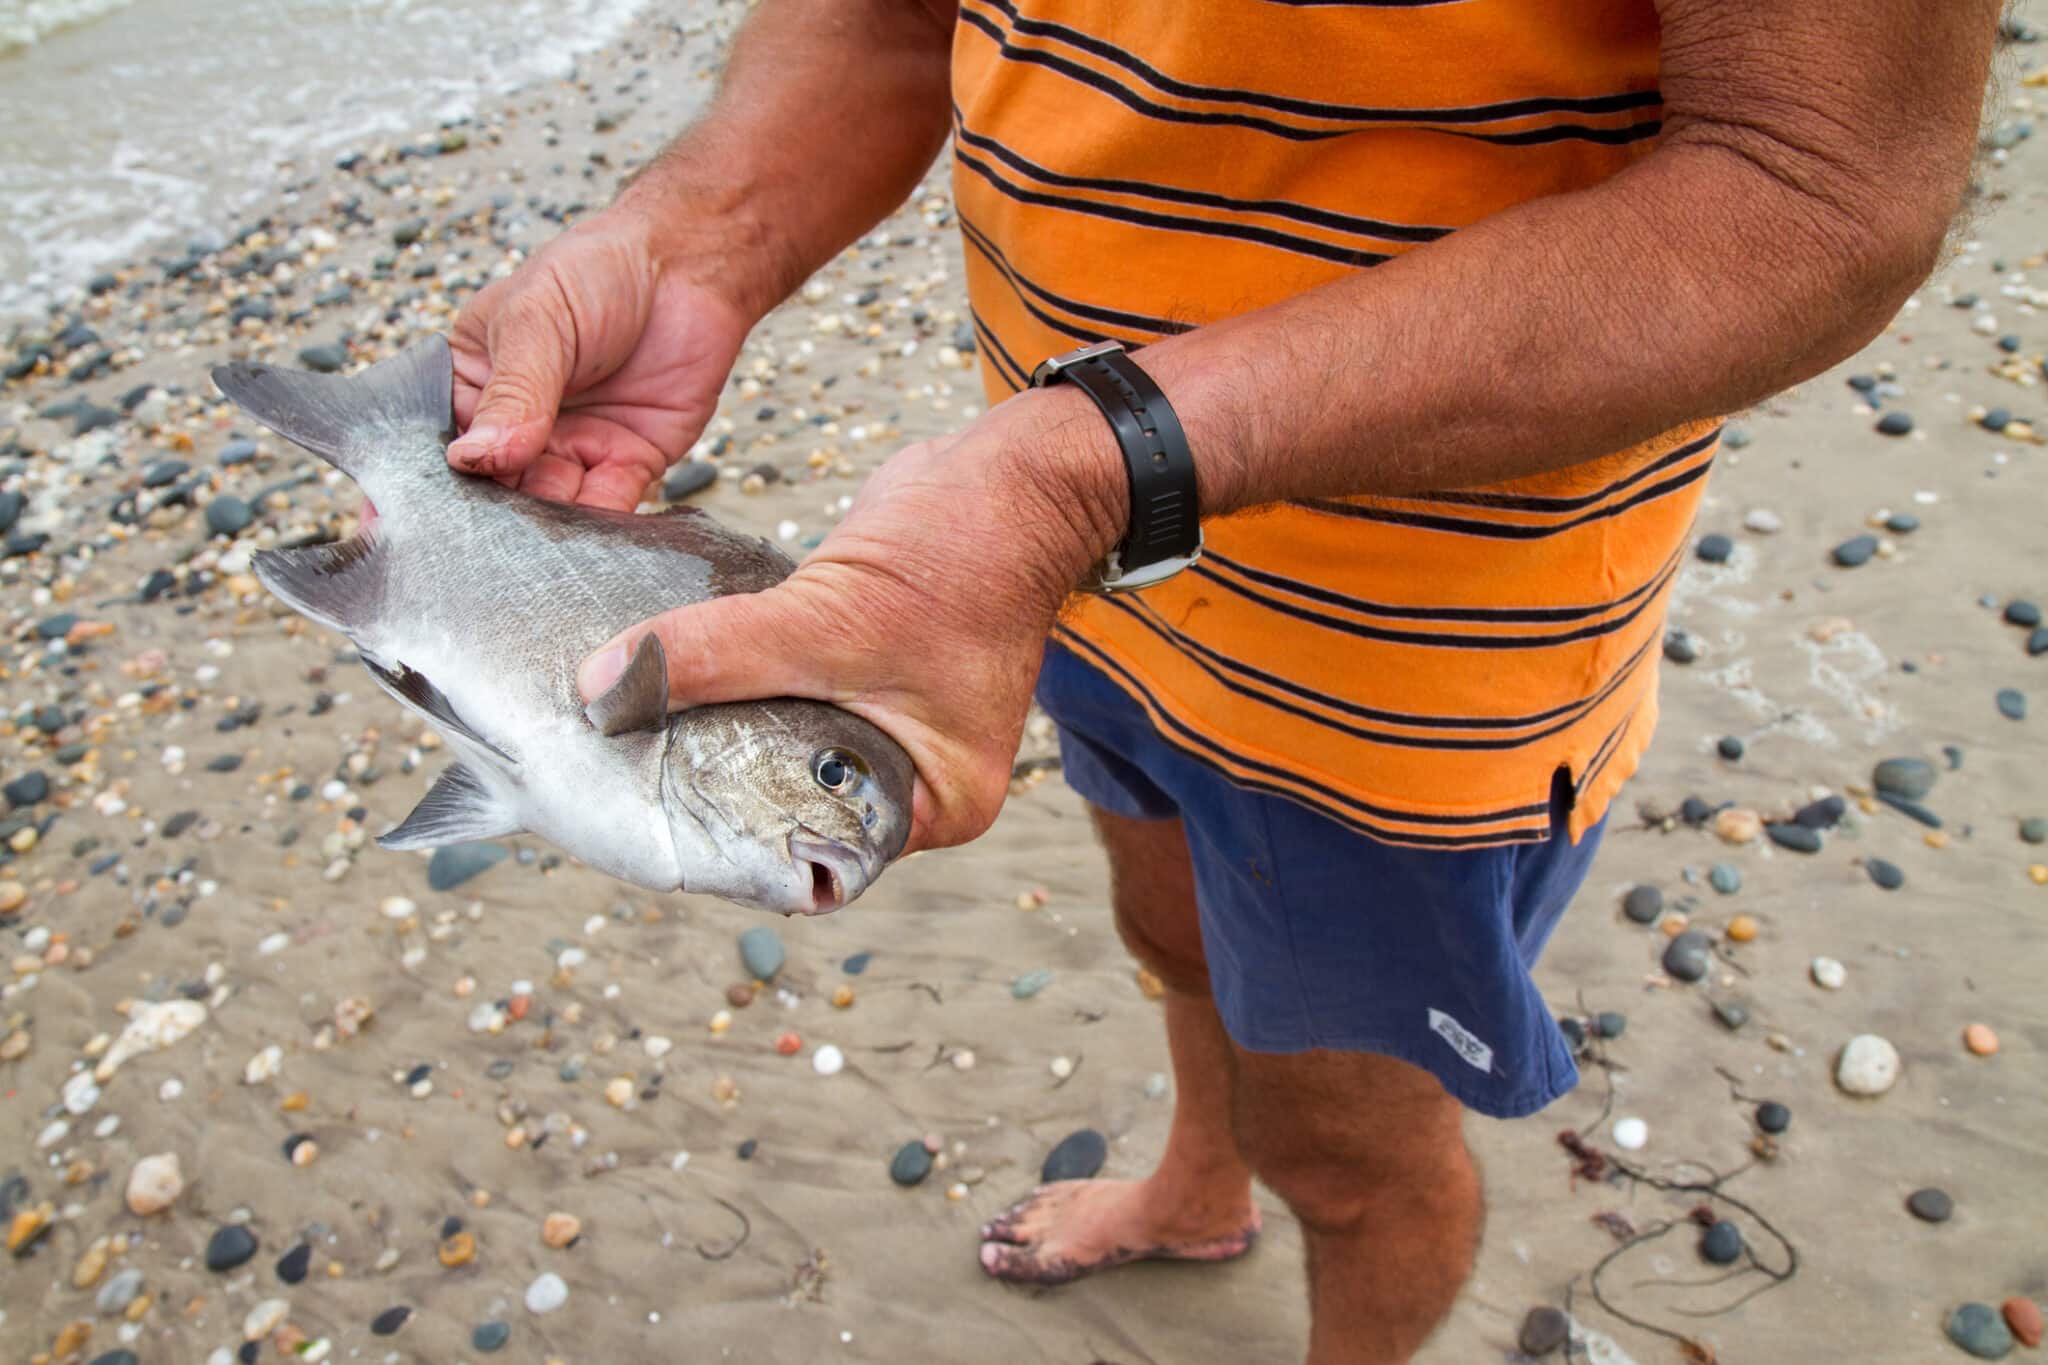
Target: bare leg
1370 1155
1198 1204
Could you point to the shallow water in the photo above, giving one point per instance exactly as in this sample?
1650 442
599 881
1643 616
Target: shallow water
132 124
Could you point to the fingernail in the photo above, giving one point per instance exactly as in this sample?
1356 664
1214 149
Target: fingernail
600 671
476 444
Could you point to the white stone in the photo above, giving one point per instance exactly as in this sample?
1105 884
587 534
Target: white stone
263 1066
264 1318
398 907
1829 974
657 1046
827 1060
1763 521
151 1028
273 943
52 1134
155 1184
1631 1133
1869 1065
80 1094
546 1294
1062 1067
170 1089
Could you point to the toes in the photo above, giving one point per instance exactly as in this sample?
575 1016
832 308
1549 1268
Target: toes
1018 1265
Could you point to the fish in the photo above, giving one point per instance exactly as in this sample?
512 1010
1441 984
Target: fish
472 604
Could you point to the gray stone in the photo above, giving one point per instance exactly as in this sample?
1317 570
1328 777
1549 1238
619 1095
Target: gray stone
1911 778
2020 612
228 515
1773 1117
2037 641
1610 1024
241 450
1912 810
229 1247
1722 1243
1030 984
1714 548
911 1164
1930 1205
1855 551
687 477
293 1265
27 789
1643 903
1885 874
1725 878
1680 648
762 953
1902 523
1798 838
490 1336
1895 423
1688 956
2034 829
164 472
450 867
1825 813
325 359
1078 1156
1979 1330
1733 1014
1730 747
2012 703
1543 1331
120 1290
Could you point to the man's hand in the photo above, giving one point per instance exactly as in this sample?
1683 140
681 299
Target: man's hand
926 610
584 375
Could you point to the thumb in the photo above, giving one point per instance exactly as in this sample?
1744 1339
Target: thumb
530 363
728 649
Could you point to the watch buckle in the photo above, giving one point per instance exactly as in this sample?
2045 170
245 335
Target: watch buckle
1113 579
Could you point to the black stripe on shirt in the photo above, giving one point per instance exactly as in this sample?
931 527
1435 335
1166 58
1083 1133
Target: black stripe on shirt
1501 111
1116 90
1019 284
1340 806
1502 530
1007 368
1175 194
1172 222
1216 665
1489 615
1517 502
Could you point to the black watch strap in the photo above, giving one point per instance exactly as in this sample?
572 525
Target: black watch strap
1165 534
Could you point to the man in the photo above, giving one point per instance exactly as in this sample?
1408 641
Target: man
1350 766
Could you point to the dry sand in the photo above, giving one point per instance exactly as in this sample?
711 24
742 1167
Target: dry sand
271 911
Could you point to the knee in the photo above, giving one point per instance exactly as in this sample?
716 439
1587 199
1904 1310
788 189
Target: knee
1165 939
1334 1182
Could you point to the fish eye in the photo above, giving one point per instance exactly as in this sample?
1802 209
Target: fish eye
835 769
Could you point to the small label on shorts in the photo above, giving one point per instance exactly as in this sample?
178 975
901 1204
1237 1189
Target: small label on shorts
1476 1054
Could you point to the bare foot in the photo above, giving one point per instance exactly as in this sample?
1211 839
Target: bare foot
1070 1229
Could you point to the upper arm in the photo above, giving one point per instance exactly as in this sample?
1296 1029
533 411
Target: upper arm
1867 111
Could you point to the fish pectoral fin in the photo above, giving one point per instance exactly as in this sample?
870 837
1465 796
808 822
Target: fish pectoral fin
455 809
639 699
339 585
417 691
332 414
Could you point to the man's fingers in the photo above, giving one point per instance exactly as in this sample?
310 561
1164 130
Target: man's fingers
530 365
727 649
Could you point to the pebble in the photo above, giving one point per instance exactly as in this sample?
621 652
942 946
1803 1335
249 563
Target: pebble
120 1290
1725 878
1895 423
855 965
761 952
1980 1039
1855 551
1829 974
1823 814
1730 748
2012 703
1763 521
1680 648
1742 928
1078 1156
686 478
2020 612
490 1336
2034 830
1544 1329
292 1266
1738 826
1714 548
324 359
228 515
827 1060
1797 838
2023 1316
1030 984
1688 956
546 1294
1930 1205
1980 1331
229 1247
457 1249
1773 1117
455 864
1885 874
155 1184
1733 1014
558 1230
1631 1134
1869 1065
911 1164
390 1320
1643 903
1722 1243
1610 1024
1910 778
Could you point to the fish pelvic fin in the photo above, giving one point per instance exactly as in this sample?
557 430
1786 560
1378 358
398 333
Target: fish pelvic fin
416 690
639 699
341 585
346 419
455 809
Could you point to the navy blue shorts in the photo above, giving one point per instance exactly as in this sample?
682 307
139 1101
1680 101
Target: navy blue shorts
1320 937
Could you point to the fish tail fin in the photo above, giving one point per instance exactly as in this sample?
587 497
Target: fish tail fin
347 419
341 586
455 809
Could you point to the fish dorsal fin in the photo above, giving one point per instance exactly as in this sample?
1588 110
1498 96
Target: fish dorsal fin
455 809
639 699
340 585
417 691
332 414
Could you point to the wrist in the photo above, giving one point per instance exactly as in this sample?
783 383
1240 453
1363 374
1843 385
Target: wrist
705 236
1062 471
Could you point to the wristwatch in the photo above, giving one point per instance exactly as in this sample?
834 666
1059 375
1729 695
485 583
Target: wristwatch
1165 534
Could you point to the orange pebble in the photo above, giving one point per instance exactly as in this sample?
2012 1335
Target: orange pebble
789 1045
518 1005
1742 929
1980 1039
2038 873
1673 924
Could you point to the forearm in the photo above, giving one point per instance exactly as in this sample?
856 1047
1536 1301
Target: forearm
828 113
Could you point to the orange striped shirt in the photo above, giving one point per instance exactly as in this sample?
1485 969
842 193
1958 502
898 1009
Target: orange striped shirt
1416 667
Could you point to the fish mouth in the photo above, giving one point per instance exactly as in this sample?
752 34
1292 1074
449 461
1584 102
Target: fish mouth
837 873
